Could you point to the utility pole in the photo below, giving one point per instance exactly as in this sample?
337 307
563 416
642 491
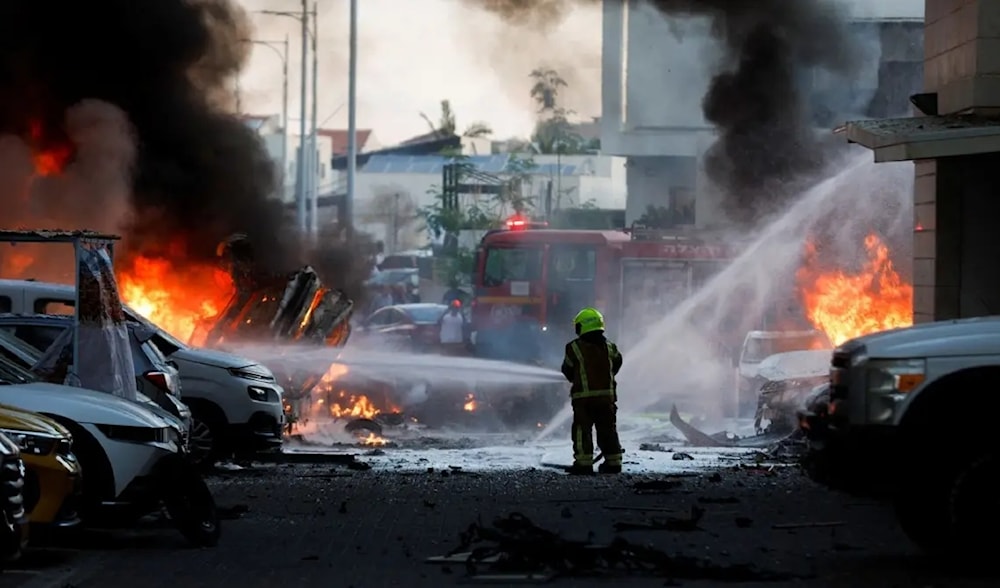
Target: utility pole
352 129
314 139
284 123
300 180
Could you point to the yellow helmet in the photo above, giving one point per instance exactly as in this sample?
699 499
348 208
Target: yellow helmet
588 320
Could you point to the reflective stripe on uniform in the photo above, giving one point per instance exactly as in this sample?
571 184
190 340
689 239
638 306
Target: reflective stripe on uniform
614 459
581 456
585 391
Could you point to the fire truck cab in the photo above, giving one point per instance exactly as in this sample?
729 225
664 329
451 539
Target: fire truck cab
528 285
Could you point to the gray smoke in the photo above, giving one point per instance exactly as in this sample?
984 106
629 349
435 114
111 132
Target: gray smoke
758 99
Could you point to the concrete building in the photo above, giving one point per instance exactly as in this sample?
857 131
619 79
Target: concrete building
655 73
391 188
956 148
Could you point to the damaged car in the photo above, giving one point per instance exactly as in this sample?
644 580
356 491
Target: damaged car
235 403
784 383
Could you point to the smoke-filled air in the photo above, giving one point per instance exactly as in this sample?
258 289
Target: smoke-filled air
134 120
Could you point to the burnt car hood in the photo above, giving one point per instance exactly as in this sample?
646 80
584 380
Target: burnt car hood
796 365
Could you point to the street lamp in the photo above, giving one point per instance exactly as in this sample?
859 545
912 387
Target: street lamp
352 127
300 179
283 54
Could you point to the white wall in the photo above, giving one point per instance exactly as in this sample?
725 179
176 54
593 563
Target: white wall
654 76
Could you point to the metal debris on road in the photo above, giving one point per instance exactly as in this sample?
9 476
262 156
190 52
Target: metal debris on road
809 525
656 486
682 524
515 550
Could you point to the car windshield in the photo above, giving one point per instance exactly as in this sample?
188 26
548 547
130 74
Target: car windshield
11 373
512 265
426 314
759 349
16 346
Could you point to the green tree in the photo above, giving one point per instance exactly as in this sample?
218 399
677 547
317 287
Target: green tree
447 124
553 132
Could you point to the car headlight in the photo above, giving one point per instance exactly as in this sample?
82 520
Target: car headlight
138 434
889 381
253 372
262 394
32 443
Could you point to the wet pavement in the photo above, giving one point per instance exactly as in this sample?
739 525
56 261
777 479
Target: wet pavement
328 524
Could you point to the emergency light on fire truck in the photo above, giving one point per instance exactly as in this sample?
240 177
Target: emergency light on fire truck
521 223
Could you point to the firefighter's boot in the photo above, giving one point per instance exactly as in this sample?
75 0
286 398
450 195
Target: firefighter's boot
579 469
607 468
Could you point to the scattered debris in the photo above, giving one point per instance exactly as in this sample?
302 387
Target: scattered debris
639 508
653 447
811 525
516 550
699 439
682 524
681 456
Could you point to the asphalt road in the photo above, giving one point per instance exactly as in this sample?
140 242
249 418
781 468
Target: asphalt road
327 525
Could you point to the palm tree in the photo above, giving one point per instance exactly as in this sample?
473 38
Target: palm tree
546 87
447 126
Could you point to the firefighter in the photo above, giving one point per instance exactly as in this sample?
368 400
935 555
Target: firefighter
591 364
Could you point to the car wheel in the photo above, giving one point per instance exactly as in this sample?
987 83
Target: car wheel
948 512
201 443
207 443
191 506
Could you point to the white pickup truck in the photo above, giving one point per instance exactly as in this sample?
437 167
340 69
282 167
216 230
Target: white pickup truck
910 416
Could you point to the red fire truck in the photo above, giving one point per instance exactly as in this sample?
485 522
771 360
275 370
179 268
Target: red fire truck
529 283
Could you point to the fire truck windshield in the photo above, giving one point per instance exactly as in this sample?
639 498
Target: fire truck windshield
508 264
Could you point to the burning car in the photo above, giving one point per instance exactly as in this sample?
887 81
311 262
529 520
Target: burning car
235 402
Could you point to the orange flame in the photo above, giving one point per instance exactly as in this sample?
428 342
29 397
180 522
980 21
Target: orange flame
374 440
845 306
342 405
49 159
470 403
177 297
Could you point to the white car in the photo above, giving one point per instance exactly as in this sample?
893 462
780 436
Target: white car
236 402
759 345
132 458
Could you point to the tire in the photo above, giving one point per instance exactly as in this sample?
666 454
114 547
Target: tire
191 506
954 509
207 442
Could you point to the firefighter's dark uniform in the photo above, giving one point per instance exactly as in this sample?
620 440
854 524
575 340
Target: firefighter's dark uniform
590 364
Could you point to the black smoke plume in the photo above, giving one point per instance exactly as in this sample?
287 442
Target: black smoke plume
198 174
758 101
